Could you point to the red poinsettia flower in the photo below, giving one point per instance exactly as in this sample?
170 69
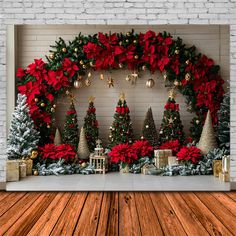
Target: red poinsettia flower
172 106
92 50
111 50
123 153
20 73
174 145
37 69
30 89
191 154
122 110
63 151
57 79
142 148
70 67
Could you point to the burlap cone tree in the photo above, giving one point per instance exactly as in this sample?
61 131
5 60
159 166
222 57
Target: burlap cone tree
83 150
57 138
208 140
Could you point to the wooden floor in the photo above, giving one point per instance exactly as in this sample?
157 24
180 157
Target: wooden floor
117 213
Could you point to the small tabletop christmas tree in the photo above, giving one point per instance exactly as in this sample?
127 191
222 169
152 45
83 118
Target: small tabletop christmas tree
171 126
23 137
70 133
91 125
224 123
149 131
121 130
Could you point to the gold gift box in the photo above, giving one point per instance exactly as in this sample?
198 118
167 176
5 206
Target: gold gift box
217 167
161 157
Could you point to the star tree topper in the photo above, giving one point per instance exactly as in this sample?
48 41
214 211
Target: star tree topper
91 99
172 94
122 97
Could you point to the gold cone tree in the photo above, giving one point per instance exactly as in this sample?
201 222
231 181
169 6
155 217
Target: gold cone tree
57 138
83 150
208 139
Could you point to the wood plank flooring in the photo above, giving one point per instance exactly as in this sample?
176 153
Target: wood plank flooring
117 213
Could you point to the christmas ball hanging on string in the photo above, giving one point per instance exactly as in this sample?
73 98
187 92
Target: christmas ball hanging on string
150 83
77 84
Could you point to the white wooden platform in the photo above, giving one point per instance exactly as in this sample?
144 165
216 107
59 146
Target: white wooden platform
118 182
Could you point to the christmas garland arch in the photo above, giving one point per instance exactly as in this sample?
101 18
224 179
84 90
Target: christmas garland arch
195 76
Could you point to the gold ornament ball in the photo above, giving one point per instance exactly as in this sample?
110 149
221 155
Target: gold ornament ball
187 77
197 122
84 164
34 154
48 126
77 84
150 83
42 104
144 68
136 57
135 41
81 62
84 66
147 126
36 173
187 62
142 138
176 83
87 82
128 34
64 50
54 106
161 132
76 49
110 136
177 51
36 99
91 64
120 43
126 40
51 56
52 109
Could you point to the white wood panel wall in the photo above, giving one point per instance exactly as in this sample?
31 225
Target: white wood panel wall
33 42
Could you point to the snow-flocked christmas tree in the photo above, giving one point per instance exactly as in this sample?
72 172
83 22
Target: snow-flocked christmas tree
149 131
23 137
224 123
121 130
91 125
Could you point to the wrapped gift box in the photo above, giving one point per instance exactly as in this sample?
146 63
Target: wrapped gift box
147 169
172 160
22 168
225 177
217 167
161 157
13 172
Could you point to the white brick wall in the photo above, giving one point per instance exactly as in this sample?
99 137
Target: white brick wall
116 12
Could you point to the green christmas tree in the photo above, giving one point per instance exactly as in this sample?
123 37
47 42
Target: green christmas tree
23 137
149 131
224 123
121 130
70 133
171 126
91 125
